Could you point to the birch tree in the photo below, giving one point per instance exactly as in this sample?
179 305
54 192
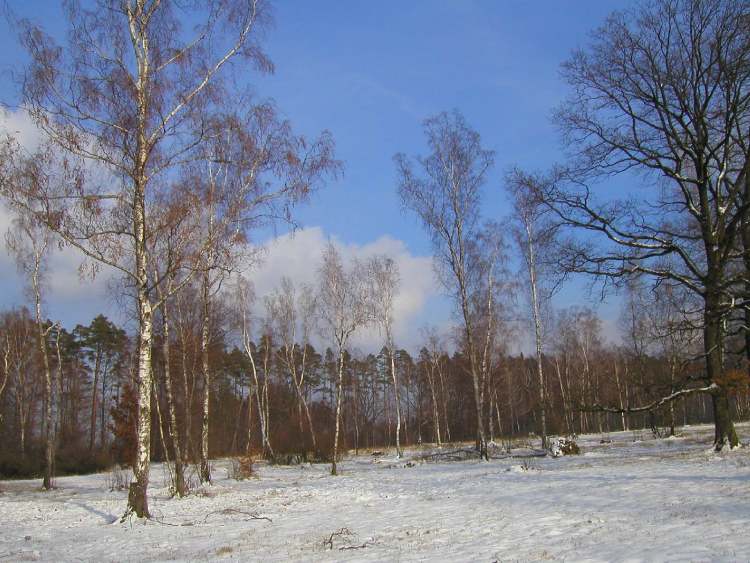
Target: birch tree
292 314
121 108
488 288
170 250
245 297
30 243
431 356
130 100
534 235
383 280
18 331
444 190
343 308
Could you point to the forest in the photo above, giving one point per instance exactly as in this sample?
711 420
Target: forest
160 166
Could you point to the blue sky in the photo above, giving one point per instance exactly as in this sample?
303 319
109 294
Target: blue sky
370 72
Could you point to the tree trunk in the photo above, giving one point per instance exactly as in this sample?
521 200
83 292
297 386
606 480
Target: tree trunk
205 468
94 392
435 410
249 444
266 400
444 397
265 442
537 332
49 434
339 388
187 391
179 467
396 398
137 496
103 412
725 434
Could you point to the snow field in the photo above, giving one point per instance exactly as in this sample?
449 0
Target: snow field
650 500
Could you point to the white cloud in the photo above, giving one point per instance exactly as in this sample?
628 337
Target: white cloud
76 300
18 124
298 255
67 297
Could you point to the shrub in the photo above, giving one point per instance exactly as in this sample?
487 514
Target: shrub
118 479
563 446
241 468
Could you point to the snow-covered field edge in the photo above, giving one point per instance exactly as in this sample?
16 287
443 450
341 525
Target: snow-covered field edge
627 496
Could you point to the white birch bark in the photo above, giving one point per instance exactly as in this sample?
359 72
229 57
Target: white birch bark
531 263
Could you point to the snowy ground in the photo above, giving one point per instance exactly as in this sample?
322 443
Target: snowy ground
669 499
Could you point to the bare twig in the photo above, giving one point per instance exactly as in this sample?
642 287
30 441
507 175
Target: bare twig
251 515
340 533
345 547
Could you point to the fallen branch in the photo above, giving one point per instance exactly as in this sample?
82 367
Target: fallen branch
455 455
345 547
538 453
251 515
652 406
339 533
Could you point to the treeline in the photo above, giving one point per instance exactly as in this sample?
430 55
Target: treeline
96 408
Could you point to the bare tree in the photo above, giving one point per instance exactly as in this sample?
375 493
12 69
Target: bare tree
169 250
291 313
126 95
343 308
245 297
488 288
19 331
29 241
444 191
664 90
131 100
534 235
383 280
432 354
6 351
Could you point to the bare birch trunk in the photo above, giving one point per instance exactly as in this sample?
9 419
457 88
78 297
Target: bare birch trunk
620 397
49 438
6 366
162 437
339 388
138 493
58 387
435 411
187 390
497 416
205 466
94 392
249 445
137 496
265 443
263 403
444 397
179 467
396 396
537 329
355 415
298 382
490 422
21 414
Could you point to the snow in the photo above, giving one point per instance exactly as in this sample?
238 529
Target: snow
655 500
